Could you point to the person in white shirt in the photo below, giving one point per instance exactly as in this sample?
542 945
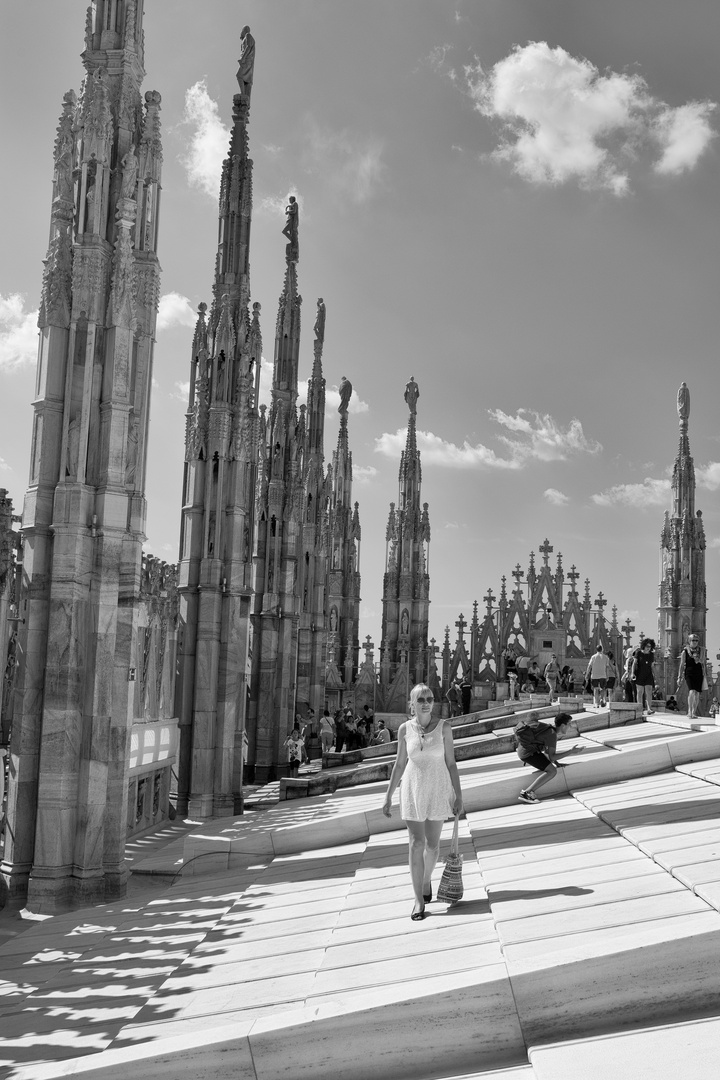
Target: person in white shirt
597 672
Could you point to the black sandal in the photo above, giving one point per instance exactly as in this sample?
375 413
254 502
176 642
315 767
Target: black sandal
427 896
418 916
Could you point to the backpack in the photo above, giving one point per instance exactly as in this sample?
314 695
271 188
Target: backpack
528 737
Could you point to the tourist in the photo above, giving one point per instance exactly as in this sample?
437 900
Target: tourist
382 735
552 674
430 789
536 745
369 717
340 732
671 705
570 680
714 707
522 664
295 750
692 672
327 732
534 676
453 699
512 685
627 679
597 674
466 694
351 731
642 673
611 676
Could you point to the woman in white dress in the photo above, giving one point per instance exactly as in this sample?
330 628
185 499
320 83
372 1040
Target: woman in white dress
430 790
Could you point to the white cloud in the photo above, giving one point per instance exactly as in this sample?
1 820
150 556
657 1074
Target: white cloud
364 474
208 143
275 204
708 476
266 376
18 333
351 164
649 493
684 134
4 467
556 497
181 392
175 310
714 543
562 120
535 437
355 405
541 437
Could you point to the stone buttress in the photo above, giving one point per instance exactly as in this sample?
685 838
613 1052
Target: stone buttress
84 514
681 604
218 501
404 655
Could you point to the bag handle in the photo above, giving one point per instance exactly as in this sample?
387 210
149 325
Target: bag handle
455 845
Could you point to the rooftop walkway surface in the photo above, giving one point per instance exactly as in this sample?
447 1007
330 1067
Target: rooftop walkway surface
586 945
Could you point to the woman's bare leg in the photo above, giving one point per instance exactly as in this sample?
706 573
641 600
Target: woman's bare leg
416 836
433 830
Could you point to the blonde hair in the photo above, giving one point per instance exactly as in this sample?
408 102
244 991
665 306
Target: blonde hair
415 692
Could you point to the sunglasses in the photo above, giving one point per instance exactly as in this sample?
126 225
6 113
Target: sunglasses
426 700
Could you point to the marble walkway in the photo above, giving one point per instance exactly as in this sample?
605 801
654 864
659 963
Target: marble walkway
586 946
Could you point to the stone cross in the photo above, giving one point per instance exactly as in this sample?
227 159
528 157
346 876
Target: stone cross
461 624
627 630
573 576
489 600
600 602
368 646
546 550
517 573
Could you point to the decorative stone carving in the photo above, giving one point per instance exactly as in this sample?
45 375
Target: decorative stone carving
56 296
246 63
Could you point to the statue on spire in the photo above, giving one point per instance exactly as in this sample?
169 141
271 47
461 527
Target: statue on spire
345 394
320 320
246 62
292 251
412 393
683 403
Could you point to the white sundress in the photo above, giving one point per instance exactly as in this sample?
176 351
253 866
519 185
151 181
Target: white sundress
426 790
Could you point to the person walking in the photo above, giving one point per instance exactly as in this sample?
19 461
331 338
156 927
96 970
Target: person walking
426 771
612 675
692 673
642 673
597 674
552 674
536 745
466 694
295 749
327 732
627 680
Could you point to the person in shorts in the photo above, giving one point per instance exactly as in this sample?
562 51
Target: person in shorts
597 672
536 745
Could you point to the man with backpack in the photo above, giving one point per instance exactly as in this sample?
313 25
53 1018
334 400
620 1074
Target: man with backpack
536 745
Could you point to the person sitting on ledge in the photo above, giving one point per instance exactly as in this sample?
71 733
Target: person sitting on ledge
671 704
382 734
536 745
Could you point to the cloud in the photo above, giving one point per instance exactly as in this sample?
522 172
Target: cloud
437 451
18 333
708 476
535 438
562 120
714 543
275 204
556 497
208 142
181 392
175 310
350 163
541 437
684 134
649 493
364 474
4 467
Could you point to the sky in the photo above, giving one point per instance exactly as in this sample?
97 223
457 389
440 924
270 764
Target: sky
513 201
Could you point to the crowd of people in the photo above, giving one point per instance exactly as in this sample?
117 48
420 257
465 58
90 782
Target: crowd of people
343 731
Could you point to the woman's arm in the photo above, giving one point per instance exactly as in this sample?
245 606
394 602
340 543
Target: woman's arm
681 669
397 770
452 768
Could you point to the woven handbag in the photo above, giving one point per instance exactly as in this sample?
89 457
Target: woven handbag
450 889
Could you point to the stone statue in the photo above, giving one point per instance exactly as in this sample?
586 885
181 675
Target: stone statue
132 451
320 320
683 402
128 188
291 226
404 622
246 61
412 394
73 448
345 394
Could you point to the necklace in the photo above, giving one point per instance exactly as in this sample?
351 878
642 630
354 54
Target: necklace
422 732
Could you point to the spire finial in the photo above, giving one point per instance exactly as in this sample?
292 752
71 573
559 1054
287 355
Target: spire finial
412 393
683 405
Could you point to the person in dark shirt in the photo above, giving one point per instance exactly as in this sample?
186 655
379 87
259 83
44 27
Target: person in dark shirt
537 746
642 674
